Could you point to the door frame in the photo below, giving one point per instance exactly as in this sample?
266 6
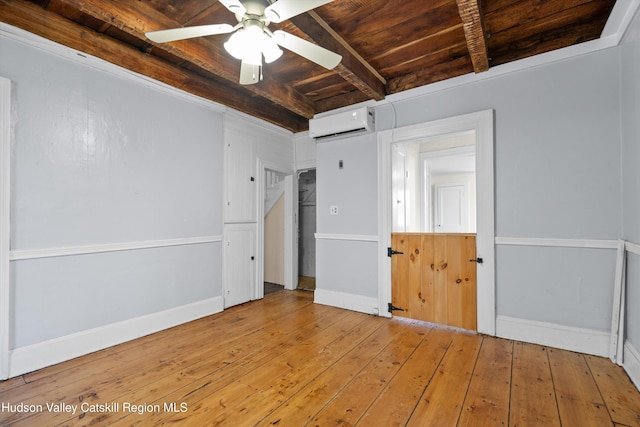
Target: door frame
481 123
6 324
290 226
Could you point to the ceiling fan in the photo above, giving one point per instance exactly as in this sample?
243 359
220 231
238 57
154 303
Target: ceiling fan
252 40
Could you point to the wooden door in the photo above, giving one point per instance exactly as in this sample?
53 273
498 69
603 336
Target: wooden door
434 279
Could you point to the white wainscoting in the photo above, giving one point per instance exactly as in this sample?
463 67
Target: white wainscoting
359 303
37 356
550 334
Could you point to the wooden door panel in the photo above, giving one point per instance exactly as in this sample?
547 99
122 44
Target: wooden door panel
434 279
428 286
440 270
461 288
414 254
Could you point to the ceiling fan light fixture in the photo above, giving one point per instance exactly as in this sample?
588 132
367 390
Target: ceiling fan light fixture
236 44
253 56
250 43
270 50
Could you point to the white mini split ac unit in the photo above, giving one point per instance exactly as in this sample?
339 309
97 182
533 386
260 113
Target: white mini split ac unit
342 124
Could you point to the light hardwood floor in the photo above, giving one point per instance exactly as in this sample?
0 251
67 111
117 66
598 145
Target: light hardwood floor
285 361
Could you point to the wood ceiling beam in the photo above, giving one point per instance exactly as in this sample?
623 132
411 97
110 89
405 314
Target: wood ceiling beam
353 68
49 25
133 18
473 25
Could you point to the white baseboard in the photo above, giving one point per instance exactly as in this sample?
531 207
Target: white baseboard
631 363
37 356
359 303
581 340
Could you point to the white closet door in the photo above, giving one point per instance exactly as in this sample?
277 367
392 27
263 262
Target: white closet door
239 263
451 207
240 178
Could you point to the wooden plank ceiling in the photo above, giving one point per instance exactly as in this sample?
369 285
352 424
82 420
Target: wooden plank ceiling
388 46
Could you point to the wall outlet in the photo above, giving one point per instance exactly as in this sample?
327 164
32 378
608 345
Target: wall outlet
333 210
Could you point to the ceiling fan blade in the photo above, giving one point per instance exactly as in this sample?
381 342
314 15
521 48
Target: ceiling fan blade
285 9
164 36
234 6
312 52
249 73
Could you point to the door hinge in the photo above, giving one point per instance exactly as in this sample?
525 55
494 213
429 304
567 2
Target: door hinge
478 260
392 308
391 252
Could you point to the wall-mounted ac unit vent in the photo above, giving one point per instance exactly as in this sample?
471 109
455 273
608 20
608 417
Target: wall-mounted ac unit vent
342 124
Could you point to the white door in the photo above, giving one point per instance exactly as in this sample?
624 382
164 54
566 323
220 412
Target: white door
451 208
239 263
240 178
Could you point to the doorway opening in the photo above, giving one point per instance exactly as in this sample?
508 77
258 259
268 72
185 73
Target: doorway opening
274 235
481 124
434 185
433 273
275 269
307 230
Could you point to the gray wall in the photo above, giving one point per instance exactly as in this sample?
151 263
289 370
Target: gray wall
348 266
557 170
100 159
630 70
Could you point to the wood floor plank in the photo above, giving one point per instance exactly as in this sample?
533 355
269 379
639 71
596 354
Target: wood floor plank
307 402
533 401
224 362
12 383
154 365
286 361
352 401
241 316
623 403
198 394
271 384
442 401
578 397
394 406
487 401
